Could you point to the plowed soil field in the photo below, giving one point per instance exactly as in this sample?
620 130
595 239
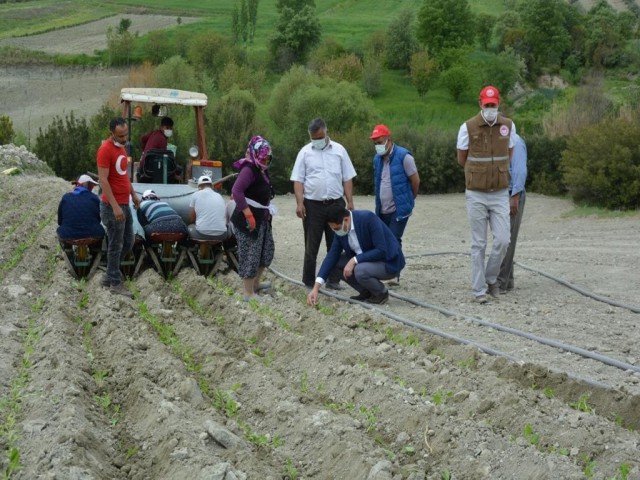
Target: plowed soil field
188 382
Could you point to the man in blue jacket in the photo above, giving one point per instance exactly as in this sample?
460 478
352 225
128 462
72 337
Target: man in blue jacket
79 212
396 181
364 250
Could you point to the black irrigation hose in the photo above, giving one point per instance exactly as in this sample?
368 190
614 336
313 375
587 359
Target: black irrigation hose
582 291
434 331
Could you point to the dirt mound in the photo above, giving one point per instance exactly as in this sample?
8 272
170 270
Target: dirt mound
187 381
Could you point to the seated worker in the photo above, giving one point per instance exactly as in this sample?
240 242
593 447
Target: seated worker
158 140
156 216
79 212
207 213
364 250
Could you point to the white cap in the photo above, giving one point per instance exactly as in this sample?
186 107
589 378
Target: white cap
86 179
149 194
204 179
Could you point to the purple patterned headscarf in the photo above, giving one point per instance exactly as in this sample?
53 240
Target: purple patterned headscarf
257 152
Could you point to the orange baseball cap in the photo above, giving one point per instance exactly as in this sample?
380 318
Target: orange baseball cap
380 131
489 94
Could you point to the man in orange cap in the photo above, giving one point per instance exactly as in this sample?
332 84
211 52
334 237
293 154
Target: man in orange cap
396 181
485 145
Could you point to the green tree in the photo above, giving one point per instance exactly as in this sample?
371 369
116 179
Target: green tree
545 24
401 42
242 77
64 146
212 51
120 43
157 47
424 71
176 73
296 33
372 76
252 11
232 123
457 81
503 70
444 24
6 130
301 96
484 29
606 35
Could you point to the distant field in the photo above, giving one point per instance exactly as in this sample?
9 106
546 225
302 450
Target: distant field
88 37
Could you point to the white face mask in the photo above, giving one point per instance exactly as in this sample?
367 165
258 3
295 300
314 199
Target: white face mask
342 232
118 144
380 149
490 114
168 133
319 143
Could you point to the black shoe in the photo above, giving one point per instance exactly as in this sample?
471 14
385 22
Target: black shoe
378 299
362 296
334 286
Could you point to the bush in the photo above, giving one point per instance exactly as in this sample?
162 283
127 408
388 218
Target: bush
372 76
601 165
457 81
242 77
6 130
346 67
232 122
543 164
64 146
436 158
424 71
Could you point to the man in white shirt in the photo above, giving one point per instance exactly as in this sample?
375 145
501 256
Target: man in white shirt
207 213
322 176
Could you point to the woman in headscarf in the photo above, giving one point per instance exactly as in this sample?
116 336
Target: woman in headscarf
252 192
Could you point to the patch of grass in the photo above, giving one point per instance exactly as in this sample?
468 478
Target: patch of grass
408 340
132 452
548 392
260 440
582 404
623 472
369 416
304 382
99 376
587 211
345 407
588 465
218 284
530 435
289 471
440 396
225 404
438 353
469 363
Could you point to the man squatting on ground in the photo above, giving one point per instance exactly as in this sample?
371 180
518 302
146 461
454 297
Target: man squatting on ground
364 252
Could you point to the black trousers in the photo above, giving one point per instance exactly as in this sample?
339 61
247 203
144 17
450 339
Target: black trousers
314 225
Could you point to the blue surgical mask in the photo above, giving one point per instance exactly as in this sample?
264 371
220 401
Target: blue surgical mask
380 149
319 143
341 232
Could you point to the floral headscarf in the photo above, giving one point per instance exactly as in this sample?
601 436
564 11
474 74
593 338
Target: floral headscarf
258 150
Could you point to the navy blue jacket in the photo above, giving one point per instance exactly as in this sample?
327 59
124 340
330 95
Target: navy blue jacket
400 183
376 240
79 215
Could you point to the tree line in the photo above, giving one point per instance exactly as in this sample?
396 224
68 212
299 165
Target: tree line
441 43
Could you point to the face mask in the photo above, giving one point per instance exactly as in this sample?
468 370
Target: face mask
380 149
118 144
168 133
318 144
341 232
490 114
